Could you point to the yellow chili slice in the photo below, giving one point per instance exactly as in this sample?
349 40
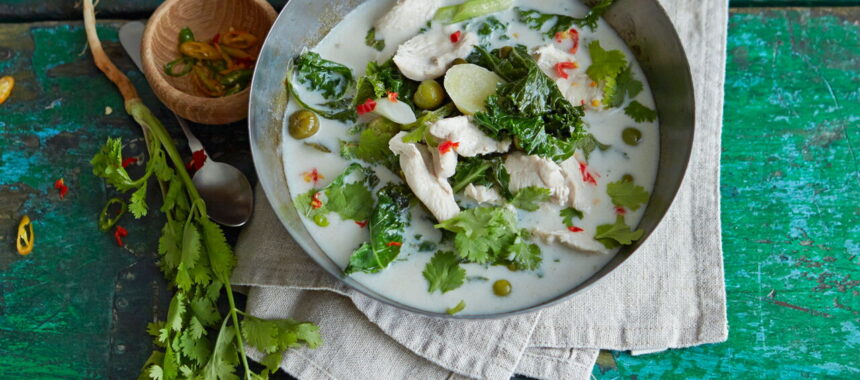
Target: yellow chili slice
26 238
6 85
238 39
199 50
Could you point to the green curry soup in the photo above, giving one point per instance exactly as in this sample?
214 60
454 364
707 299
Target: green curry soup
494 152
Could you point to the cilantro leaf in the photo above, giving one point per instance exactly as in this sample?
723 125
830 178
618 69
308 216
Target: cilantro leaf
605 64
370 40
220 255
589 143
190 246
640 113
137 203
483 233
627 194
372 144
387 224
443 272
175 312
525 255
568 214
351 200
273 337
619 233
261 334
625 86
456 309
529 198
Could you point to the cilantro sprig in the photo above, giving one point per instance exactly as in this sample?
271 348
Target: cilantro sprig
195 341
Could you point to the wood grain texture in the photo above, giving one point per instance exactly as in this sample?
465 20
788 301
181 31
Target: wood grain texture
205 18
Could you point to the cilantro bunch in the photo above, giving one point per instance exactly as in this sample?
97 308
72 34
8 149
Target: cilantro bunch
195 341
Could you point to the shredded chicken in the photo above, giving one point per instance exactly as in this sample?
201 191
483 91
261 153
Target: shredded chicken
483 194
434 191
428 55
471 141
578 88
526 171
444 164
576 240
582 195
405 19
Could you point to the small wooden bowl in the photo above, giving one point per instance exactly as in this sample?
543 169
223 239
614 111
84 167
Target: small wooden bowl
206 18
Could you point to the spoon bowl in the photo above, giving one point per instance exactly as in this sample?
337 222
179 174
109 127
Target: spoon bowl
229 197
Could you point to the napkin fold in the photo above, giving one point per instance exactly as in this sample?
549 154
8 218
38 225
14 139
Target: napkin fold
669 294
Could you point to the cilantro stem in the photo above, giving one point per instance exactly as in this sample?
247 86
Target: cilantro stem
239 337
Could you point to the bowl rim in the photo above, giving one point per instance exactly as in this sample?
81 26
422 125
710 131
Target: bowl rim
258 155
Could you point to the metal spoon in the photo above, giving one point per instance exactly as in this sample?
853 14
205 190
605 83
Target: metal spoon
226 191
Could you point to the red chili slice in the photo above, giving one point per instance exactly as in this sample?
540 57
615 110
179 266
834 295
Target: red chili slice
316 202
60 185
446 146
620 210
216 38
362 223
118 234
587 177
561 66
575 229
128 161
574 36
455 37
394 244
198 158
368 106
392 97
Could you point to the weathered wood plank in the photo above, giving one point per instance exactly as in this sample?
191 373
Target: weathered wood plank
790 191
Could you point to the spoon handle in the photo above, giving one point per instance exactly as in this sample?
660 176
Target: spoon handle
193 143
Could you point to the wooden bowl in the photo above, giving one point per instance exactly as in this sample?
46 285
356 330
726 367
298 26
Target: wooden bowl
206 18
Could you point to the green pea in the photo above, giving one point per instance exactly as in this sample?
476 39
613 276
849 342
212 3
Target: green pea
627 178
505 52
321 220
429 95
631 136
502 288
459 61
303 124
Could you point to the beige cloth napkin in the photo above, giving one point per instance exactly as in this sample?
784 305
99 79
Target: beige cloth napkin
670 294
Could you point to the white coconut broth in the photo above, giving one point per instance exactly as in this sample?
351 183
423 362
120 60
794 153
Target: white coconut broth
562 268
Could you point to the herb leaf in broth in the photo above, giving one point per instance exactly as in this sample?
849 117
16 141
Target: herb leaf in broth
627 194
568 214
470 9
419 127
525 255
371 41
380 79
331 80
537 20
617 234
372 144
625 86
529 198
387 225
483 234
443 272
606 67
637 111
589 143
350 200
489 29
489 172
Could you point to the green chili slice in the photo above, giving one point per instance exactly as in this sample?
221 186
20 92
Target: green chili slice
186 64
105 221
186 35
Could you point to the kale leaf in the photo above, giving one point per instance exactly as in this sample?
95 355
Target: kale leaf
331 80
387 225
537 20
484 171
380 79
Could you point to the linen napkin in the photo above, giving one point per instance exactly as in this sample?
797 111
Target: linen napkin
669 294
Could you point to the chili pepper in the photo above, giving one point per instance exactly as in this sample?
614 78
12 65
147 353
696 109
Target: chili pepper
105 221
586 175
313 176
235 89
561 66
238 39
455 37
60 185
245 62
235 53
620 210
575 229
446 146
199 50
216 38
26 237
362 223
186 35
368 106
394 244
7 83
118 234
198 158
240 77
559 36
316 202
128 161
574 36
187 66
392 97
205 84
225 57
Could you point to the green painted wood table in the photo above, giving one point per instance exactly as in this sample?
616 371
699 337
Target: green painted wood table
76 307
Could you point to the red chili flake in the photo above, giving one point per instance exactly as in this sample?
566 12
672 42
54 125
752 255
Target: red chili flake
118 234
313 176
574 36
394 244
446 146
216 38
60 185
128 161
392 96
368 106
582 102
316 202
244 62
587 177
575 229
559 36
455 37
561 66
198 158
362 223
620 210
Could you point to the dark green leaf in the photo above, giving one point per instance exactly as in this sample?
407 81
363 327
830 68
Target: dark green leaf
529 198
613 235
387 224
482 234
568 214
627 194
443 272
640 113
370 40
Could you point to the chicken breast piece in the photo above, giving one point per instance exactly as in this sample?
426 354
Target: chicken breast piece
444 164
528 171
428 55
483 194
578 88
472 141
435 192
583 196
577 240
405 19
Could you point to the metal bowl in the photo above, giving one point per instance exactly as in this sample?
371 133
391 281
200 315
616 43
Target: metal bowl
642 24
